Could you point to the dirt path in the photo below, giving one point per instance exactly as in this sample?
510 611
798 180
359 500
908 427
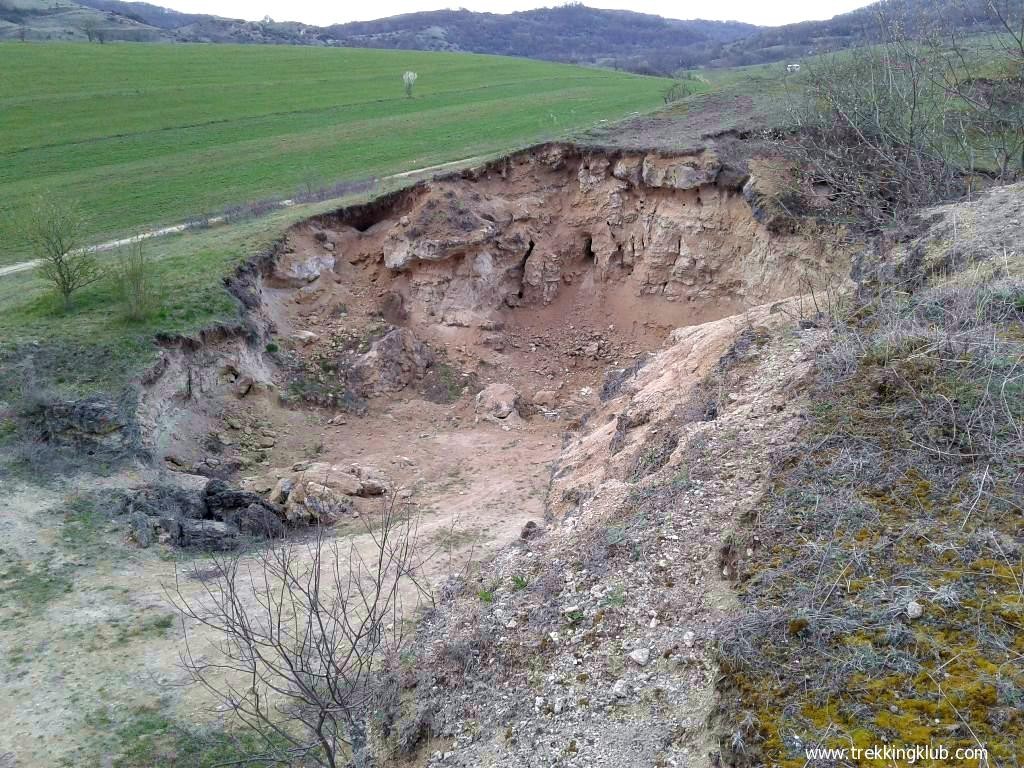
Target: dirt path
111 245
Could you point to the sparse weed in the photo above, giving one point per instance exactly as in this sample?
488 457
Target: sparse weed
615 597
134 276
905 488
149 736
28 588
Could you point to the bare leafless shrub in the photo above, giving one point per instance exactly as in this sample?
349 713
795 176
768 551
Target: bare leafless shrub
871 131
312 194
198 221
409 79
885 129
305 637
55 232
93 32
986 76
133 273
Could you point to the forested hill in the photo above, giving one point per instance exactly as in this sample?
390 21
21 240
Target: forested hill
570 33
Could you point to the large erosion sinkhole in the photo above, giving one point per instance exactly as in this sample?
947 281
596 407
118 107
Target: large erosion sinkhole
454 337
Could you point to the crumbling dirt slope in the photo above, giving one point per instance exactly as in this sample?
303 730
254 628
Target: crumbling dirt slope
599 637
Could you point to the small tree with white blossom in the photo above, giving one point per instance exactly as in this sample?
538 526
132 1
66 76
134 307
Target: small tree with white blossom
409 80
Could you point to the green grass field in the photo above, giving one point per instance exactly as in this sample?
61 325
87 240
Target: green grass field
93 345
143 135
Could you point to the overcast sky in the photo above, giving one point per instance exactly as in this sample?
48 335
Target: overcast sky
323 12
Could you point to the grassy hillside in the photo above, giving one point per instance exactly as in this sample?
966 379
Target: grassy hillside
147 134
65 20
101 349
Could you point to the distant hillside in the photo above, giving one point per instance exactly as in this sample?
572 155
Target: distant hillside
570 33
861 27
113 20
146 13
65 20
573 33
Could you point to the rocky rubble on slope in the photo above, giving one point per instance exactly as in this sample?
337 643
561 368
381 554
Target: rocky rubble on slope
498 401
323 493
393 362
211 516
594 643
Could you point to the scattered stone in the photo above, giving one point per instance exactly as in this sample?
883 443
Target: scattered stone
546 398
94 419
914 610
530 531
393 362
176 462
497 400
621 689
281 490
372 481
203 534
243 510
256 520
305 338
293 270
640 656
311 501
243 386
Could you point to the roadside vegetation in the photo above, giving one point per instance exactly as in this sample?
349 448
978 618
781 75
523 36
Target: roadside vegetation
887 604
885 601
54 232
166 285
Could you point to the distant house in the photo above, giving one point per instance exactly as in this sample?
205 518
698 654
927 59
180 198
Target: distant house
792 67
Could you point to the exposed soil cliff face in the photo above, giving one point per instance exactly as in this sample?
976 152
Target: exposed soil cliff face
540 270
464 250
